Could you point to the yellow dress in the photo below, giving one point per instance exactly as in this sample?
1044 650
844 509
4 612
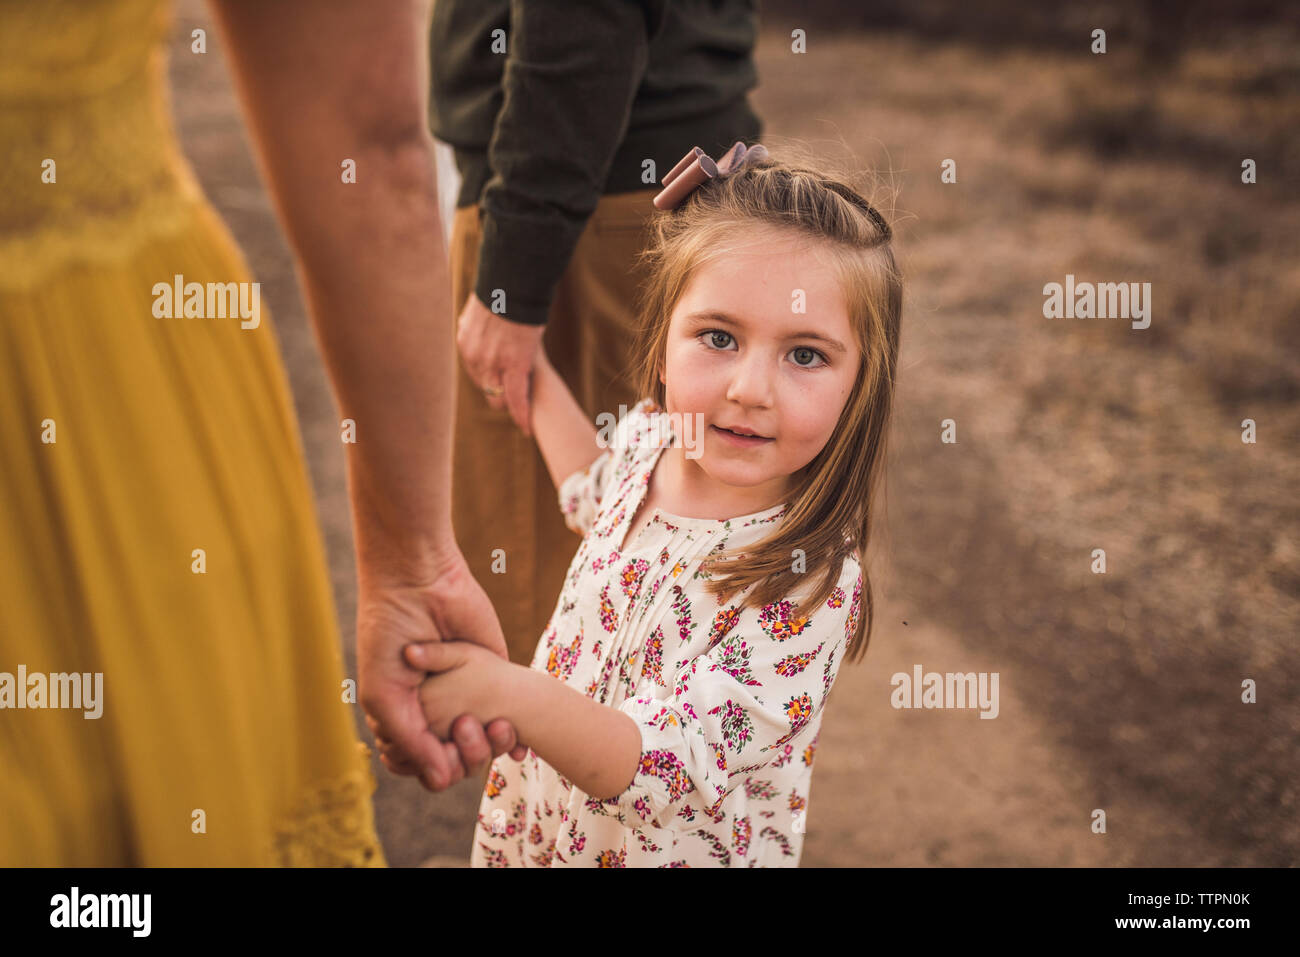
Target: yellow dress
129 442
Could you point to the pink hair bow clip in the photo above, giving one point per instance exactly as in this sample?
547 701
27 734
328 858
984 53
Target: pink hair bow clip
696 167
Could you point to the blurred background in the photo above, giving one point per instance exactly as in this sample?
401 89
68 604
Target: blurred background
1119 692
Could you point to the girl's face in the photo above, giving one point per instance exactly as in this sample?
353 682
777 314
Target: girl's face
760 341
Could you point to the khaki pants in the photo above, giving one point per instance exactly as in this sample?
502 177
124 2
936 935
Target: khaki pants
502 494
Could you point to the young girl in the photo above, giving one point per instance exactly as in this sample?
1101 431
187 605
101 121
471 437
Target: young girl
673 705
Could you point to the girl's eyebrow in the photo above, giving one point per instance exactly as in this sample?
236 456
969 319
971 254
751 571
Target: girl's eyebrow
713 315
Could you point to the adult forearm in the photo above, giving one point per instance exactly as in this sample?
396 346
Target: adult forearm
374 269
338 123
593 745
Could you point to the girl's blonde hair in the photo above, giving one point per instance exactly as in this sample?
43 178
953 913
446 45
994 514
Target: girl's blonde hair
830 508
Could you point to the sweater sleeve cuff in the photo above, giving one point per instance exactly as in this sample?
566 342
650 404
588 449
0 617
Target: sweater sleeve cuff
520 263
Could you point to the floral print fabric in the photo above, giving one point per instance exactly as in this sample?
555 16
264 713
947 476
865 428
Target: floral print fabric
729 702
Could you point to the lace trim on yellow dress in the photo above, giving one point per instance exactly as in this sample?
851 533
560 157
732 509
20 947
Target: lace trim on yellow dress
333 825
77 183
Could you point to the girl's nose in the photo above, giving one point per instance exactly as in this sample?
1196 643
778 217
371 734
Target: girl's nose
751 381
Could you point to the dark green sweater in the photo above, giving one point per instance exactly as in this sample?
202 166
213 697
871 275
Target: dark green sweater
585 93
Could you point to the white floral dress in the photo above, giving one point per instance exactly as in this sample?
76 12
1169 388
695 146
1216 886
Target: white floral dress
729 704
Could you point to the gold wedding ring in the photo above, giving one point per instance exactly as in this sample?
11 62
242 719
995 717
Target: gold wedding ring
494 390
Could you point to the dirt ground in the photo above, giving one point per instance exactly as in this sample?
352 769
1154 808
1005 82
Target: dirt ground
1119 691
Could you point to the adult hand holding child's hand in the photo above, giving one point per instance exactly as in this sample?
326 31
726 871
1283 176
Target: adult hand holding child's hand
464 679
393 613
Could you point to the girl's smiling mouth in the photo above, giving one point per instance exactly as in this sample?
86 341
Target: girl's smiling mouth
740 441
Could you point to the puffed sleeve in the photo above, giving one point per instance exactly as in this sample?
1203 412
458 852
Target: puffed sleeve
732 710
580 494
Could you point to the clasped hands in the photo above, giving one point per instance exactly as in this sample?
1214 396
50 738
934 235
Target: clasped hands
462 678
431 605
462 690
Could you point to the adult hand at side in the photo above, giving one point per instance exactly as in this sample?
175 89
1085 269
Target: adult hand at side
499 353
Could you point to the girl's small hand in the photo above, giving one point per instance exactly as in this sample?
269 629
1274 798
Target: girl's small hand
467 679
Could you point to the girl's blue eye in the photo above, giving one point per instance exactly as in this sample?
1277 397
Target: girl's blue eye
812 352
798 351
